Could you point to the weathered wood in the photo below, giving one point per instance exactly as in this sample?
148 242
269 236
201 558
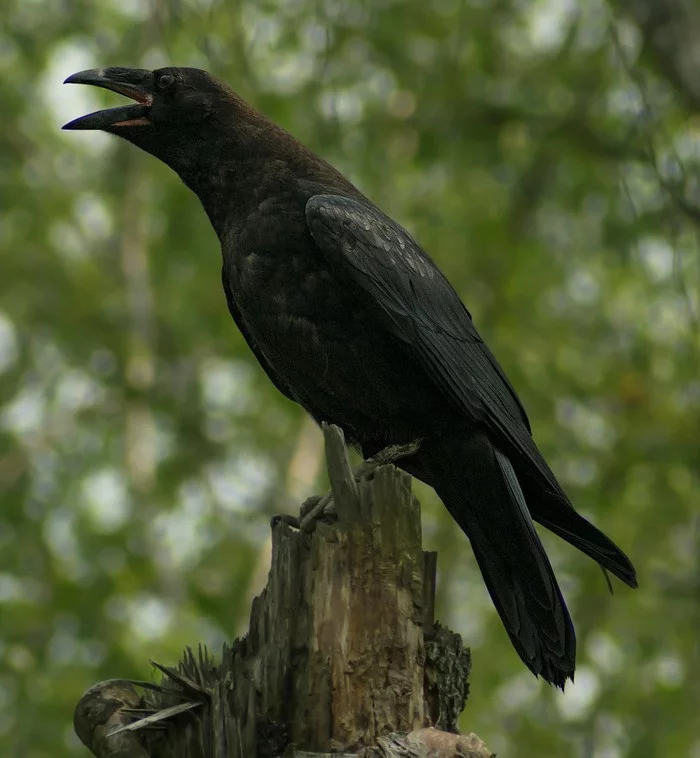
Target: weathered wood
423 743
342 653
103 709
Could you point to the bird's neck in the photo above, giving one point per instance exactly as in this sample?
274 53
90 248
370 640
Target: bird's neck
217 185
229 189
234 177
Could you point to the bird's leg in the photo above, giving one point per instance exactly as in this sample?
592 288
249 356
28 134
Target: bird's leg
315 509
389 454
316 505
321 507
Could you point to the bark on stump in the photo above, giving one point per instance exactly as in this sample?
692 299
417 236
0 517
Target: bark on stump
342 655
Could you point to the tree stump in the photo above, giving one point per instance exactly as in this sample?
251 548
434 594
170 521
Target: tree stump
342 654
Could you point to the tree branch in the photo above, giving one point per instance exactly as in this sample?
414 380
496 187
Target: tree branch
670 29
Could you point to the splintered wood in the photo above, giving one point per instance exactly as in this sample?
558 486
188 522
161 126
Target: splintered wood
342 653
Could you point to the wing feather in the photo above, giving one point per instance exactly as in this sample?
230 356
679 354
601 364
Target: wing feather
421 308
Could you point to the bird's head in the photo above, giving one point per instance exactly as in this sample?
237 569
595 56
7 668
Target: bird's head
175 109
199 127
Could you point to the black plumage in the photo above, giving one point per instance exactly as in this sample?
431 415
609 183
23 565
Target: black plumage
353 320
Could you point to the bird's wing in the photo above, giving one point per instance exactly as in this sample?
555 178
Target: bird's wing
419 306
262 360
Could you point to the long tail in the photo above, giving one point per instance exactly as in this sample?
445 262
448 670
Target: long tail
554 511
480 489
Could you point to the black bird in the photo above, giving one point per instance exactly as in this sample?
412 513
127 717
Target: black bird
352 319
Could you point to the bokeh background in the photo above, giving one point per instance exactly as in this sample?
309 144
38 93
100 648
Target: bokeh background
544 151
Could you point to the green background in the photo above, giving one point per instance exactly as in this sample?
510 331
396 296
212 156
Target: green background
545 154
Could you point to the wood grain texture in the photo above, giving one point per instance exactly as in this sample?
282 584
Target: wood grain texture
342 653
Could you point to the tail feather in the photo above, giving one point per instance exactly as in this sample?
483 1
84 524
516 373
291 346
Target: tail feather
488 504
556 513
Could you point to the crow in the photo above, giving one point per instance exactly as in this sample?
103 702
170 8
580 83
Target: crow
351 318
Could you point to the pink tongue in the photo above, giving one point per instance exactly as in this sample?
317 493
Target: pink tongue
132 122
134 94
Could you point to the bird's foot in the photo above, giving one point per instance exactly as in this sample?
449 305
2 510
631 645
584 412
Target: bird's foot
285 518
317 508
314 509
322 508
388 455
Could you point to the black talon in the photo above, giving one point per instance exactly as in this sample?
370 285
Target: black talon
285 518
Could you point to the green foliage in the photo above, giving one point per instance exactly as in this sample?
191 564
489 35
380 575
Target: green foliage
546 164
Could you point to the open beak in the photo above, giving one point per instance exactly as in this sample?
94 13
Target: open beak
132 82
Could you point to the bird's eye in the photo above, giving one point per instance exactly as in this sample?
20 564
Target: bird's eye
164 81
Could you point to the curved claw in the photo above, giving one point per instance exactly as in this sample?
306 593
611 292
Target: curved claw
315 511
285 518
